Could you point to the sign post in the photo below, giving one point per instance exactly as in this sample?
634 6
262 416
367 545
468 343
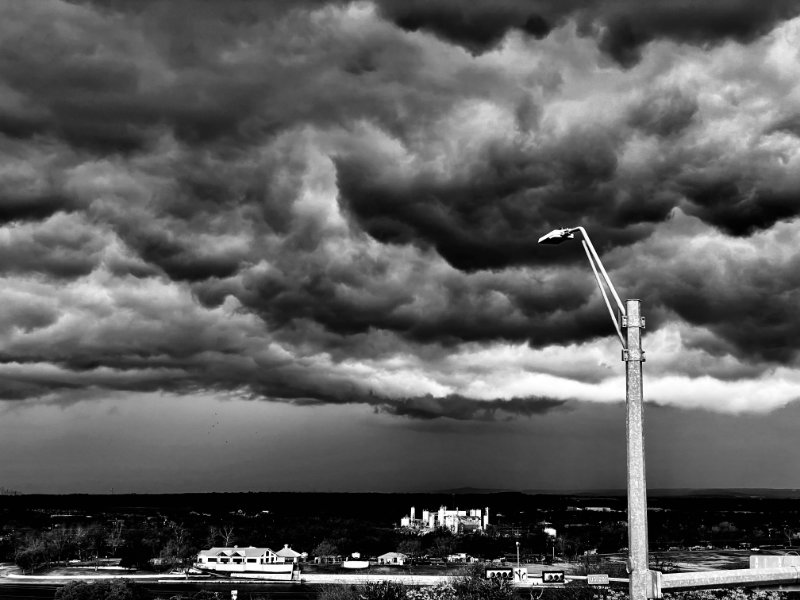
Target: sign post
597 580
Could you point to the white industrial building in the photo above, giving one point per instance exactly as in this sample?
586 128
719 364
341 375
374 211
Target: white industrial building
457 521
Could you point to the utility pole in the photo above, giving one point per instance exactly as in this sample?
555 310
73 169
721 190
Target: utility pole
633 356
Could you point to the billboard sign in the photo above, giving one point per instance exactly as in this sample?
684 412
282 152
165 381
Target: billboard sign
506 573
553 577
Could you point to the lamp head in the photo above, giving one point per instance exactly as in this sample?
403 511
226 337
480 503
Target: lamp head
557 236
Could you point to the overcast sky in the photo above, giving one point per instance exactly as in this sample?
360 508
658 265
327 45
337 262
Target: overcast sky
292 245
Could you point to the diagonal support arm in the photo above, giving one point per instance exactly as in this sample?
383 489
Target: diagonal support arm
603 291
599 264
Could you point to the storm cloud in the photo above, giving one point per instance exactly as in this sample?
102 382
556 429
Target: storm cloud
621 27
338 203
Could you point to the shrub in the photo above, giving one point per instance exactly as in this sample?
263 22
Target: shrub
383 590
379 590
338 592
473 585
115 589
442 591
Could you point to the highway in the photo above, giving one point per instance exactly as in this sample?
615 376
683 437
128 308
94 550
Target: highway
275 591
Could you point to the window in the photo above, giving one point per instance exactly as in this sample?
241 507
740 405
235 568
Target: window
251 560
211 559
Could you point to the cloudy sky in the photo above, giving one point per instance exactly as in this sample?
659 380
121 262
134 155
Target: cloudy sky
292 245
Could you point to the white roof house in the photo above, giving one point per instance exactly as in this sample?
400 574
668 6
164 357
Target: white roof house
392 558
246 560
289 555
237 555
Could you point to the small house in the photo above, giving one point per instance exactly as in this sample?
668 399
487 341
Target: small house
392 558
288 555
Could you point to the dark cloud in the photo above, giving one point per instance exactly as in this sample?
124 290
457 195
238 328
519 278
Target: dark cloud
478 26
789 124
740 207
461 408
272 199
628 25
739 295
31 207
489 216
622 27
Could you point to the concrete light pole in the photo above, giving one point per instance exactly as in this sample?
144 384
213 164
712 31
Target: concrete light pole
633 355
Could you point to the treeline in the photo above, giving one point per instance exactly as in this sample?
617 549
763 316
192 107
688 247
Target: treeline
136 547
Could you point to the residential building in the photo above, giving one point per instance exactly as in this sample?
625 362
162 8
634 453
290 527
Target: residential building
245 560
392 558
290 556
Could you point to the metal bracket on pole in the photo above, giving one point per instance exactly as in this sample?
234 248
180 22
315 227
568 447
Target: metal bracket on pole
655 584
632 322
632 355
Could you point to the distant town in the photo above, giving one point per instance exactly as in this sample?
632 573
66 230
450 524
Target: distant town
284 534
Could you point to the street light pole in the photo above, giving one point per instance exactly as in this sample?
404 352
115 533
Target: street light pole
637 488
633 355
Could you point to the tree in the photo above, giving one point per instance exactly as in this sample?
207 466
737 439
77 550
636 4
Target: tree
81 540
96 537
790 534
226 532
410 547
213 536
115 537
61 542
177 548
326 548
31 553
443 545
136 550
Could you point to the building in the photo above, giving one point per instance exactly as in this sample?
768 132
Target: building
328 559
237 556
461 557
475 520
290 556
392 558
250 560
